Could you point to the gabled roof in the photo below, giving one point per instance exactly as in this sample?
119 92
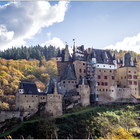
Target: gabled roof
69 73
103 56
29 88
51 86
85 81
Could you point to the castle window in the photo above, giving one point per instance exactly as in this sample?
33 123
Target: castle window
130 76
32 101
84 71
27 101
80 76
112 90
63 81
72 81
110 66
106 84
102 83
130 82
105 77
25 95
97 65
69 81
104 65
135 83
135 88
98 83
43 97
99 70
99 76
80 70
113 77
100 90
29 106
135 72
129 71
121 77
36 96
134 76
125 77
103 89
75 82
104 70
32 95
83 63
59 97
110 71
106 89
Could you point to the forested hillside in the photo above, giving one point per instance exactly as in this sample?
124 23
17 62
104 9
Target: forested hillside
36 52
13 71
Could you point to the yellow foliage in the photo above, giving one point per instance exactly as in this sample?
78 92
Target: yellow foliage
120 133
4 106
4 68
3 73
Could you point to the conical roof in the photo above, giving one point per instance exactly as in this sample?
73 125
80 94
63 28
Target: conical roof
59 54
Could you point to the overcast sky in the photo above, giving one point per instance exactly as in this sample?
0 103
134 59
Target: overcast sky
101 25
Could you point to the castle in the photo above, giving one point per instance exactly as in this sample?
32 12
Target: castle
84 75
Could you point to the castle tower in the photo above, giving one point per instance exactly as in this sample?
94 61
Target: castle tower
84 91
17 97
62 62
54 99
128 75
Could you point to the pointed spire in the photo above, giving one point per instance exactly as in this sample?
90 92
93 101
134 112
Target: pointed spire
114 57
93 55
59 55
55 88
21 85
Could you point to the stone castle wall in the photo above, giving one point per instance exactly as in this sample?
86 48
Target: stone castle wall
9 114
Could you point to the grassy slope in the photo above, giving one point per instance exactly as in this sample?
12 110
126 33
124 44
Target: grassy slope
67 124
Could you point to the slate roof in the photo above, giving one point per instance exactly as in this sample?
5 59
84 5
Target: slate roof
85 81
103 56
69 73
51 85
127 58
114 57
29 88
135 61
59 53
